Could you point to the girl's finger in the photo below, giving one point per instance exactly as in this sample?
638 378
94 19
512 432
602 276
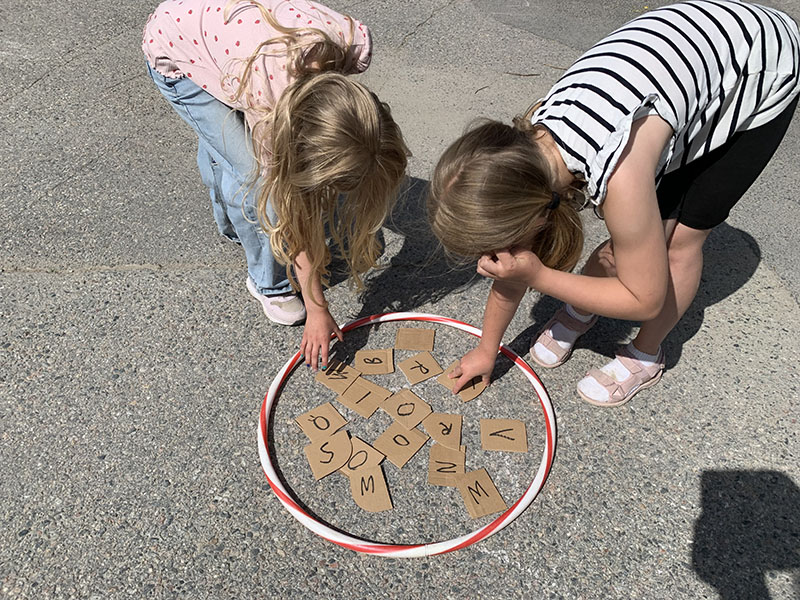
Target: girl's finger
339 334
314 357
324 354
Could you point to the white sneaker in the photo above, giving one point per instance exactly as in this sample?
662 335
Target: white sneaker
284 309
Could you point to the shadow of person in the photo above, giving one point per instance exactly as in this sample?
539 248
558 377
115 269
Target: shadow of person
730 257
418 273
749 524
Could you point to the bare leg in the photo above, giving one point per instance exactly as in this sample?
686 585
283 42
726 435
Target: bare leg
685 252
600 264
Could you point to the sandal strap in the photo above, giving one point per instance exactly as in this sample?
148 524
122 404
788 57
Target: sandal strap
570 322
617 390
636 367
639 374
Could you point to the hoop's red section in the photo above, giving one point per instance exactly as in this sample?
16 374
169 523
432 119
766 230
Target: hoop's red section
365 546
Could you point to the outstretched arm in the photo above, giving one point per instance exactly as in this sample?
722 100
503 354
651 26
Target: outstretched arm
504 299
320 324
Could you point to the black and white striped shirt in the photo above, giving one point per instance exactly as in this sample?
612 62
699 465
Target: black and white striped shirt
709 68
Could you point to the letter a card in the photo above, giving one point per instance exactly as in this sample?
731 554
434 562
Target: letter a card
337 377
468 392
369 490
505 435
321 422
480 494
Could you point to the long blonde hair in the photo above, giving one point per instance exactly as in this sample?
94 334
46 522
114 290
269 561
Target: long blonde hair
331 154
493 189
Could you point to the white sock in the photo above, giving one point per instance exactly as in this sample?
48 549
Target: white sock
563 336
617 371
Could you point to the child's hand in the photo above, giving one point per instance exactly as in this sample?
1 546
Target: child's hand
475 363
317 336
514 265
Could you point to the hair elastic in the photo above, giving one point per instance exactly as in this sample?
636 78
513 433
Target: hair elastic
554 202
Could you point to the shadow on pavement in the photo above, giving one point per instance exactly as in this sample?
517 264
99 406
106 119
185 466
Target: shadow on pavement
731 256
418 274
749 525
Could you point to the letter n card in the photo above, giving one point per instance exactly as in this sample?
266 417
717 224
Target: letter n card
445 465
505 435
480 494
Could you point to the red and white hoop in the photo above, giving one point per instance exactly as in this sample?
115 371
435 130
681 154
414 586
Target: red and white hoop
399 550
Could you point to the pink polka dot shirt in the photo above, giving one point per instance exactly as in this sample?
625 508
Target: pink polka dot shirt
192 38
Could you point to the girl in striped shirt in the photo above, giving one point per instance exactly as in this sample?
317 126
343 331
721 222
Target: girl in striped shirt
662 126
288 144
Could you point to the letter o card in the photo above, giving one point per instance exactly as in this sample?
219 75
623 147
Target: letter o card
400 444
362 457
420 367
329 455
505 435
321 422
369 490
406 408
375 362
480 494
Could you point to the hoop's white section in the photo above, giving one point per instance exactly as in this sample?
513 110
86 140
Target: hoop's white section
396 550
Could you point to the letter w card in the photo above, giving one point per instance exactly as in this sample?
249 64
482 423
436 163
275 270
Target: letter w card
369 490
479 493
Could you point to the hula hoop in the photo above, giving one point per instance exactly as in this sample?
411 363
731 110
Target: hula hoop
415 550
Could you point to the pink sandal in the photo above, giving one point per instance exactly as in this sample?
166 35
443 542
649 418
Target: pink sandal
545 337
619 392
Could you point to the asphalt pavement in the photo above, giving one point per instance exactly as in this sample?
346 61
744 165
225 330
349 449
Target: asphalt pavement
133 362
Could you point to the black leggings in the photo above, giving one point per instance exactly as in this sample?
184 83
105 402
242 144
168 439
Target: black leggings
701 194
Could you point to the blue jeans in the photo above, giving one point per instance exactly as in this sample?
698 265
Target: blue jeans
226 163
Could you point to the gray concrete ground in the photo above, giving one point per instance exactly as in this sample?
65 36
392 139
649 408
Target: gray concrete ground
133 362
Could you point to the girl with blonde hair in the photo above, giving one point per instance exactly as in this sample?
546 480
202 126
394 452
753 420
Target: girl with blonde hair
662 126
289 146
